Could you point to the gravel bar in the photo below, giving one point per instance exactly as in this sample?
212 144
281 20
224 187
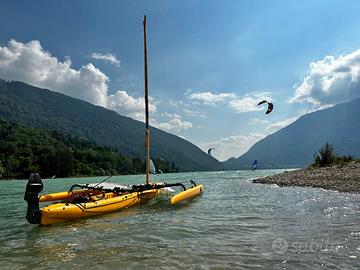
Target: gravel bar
343 178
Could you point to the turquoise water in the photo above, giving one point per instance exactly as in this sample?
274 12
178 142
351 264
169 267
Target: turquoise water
235 224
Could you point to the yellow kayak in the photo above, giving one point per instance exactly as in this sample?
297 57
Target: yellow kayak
97 205
88 200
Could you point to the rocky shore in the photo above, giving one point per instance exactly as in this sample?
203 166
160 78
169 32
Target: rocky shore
343 178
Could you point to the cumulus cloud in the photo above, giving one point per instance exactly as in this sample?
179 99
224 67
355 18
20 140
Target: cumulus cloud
30 63
246 103
208 98
330 81
257 121
249 103
108 57
281 124
125 104
194 113
174 123
233 146
176 103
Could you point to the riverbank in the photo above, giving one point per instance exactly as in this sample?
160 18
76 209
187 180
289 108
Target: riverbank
342 178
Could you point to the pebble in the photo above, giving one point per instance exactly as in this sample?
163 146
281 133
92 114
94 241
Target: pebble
343 178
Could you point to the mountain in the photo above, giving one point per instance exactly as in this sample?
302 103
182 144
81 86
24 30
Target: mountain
296 144
42 108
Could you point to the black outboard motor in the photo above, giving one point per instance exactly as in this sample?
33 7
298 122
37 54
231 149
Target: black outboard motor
33 188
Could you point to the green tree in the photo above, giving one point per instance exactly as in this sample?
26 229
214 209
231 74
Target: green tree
325 156
2 171
24 150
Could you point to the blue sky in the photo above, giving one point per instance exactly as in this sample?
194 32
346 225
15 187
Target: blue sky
210 62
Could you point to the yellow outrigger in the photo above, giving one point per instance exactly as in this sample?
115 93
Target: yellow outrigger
88 200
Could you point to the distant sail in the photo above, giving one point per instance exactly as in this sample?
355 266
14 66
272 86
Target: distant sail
209 151
270 106
254 166
152 167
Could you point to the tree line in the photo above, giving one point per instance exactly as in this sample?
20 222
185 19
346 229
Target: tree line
24 150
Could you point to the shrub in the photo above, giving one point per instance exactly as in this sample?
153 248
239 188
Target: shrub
325 156
344 159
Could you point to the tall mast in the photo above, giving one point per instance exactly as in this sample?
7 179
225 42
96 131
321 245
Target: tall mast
147 143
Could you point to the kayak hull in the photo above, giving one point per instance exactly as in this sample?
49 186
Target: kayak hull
60 212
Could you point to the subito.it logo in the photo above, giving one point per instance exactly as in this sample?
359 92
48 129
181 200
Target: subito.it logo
280 246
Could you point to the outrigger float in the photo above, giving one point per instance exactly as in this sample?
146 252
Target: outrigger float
86 200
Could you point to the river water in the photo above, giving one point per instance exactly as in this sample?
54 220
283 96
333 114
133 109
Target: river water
235 224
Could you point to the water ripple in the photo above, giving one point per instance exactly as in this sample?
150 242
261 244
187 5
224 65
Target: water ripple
235 224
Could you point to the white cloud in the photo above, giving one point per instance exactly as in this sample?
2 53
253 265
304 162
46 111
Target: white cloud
30 63
176 103
108 57
257 121
281 124
186 108
249 103
330 81
194 113
174 123
133 107
233 146
208 98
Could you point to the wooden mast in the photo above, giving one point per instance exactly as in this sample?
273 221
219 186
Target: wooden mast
147 143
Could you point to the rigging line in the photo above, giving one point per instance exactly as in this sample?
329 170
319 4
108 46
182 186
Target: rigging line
102 181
